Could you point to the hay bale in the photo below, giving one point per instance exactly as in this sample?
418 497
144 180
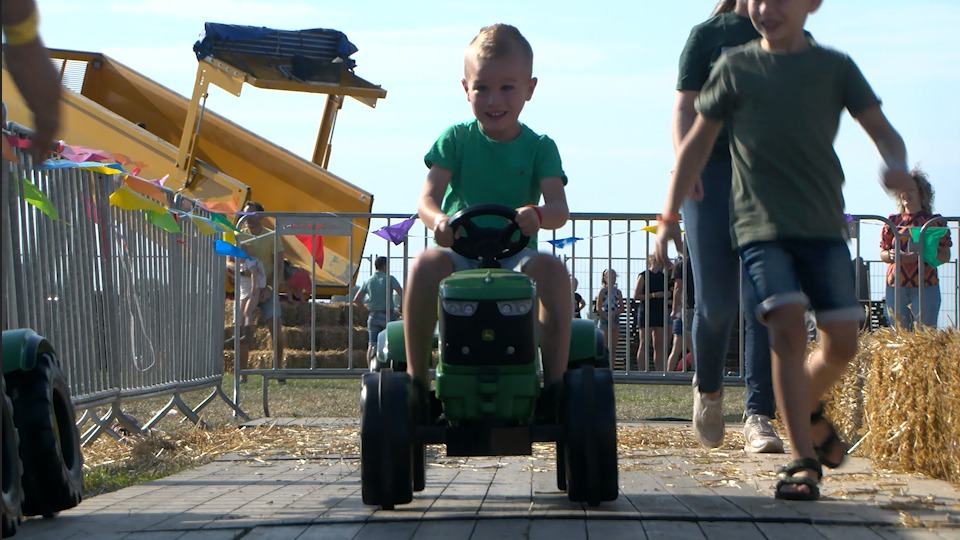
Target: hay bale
909 407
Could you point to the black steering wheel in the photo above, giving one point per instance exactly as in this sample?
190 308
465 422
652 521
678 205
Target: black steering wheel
487 244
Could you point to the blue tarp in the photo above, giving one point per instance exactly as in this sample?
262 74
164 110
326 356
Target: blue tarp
316 43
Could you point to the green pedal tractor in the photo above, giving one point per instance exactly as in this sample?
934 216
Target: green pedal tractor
42 467
487 398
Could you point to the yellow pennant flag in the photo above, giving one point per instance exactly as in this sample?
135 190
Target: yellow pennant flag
127 199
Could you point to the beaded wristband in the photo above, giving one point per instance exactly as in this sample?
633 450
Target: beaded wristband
668 218
537 210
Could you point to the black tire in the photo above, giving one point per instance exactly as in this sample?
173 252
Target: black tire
419 467
561 467
10 468
386 441
49 440
590 436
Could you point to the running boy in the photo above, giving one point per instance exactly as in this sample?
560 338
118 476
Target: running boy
782 97
492 159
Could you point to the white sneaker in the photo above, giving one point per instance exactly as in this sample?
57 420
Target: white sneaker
708 419
760 436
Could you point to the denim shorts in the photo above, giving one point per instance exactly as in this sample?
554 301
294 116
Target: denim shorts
267 310
376 323
817 273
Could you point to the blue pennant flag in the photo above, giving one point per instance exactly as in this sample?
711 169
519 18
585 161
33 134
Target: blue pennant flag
228 250
561 243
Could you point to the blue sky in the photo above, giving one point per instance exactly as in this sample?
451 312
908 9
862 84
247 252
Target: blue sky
607 76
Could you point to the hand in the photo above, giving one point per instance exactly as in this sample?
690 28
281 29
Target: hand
896 179
909 257
528 220
665 232
442 233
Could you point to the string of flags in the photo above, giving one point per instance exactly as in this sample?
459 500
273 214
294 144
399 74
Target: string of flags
137 193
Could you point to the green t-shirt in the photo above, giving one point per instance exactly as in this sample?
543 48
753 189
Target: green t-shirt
484 171
706 43
375 289
783 112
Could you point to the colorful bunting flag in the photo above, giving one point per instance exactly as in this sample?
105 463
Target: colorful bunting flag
127 199
931 241
35 197
165 221
314 245
145 187
105 168
228 250
204 225
561 243
397 232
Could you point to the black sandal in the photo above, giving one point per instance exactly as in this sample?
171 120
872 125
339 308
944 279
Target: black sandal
787 478
829 445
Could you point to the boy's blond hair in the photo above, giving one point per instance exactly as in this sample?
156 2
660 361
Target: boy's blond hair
499 40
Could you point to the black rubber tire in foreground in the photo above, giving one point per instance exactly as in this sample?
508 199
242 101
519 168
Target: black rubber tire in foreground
386 440
11 468
49 440
588 414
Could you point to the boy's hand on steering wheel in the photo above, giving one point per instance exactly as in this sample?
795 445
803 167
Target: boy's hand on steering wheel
442 233
529 220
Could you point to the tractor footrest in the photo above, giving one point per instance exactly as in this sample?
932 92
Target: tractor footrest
489 441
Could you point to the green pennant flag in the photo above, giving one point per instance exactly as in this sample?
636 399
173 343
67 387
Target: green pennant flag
931 241
219 218
34 196
164 221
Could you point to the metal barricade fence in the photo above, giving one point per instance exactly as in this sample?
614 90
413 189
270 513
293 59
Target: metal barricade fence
137 312
132 310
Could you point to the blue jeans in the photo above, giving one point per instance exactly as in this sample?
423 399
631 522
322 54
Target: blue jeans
717 284
909 306
806 272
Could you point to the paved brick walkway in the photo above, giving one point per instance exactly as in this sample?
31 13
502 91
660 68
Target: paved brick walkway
663 494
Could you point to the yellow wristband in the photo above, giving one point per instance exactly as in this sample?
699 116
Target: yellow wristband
23 32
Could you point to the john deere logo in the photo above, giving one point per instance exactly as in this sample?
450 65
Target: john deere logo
487 335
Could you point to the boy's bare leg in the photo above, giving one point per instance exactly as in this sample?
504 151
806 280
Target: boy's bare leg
556 307
838 345
420 311
788 342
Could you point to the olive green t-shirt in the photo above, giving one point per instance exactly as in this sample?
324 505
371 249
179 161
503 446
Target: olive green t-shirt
484 171
706 43
783 112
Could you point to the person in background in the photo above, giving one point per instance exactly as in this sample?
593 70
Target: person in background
258 242
915 303
681 312
609 306
29 66
379 301
714 263
578 302
650 292
251 285
788 220
493 159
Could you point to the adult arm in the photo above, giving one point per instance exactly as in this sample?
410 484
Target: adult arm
31 70
684 115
